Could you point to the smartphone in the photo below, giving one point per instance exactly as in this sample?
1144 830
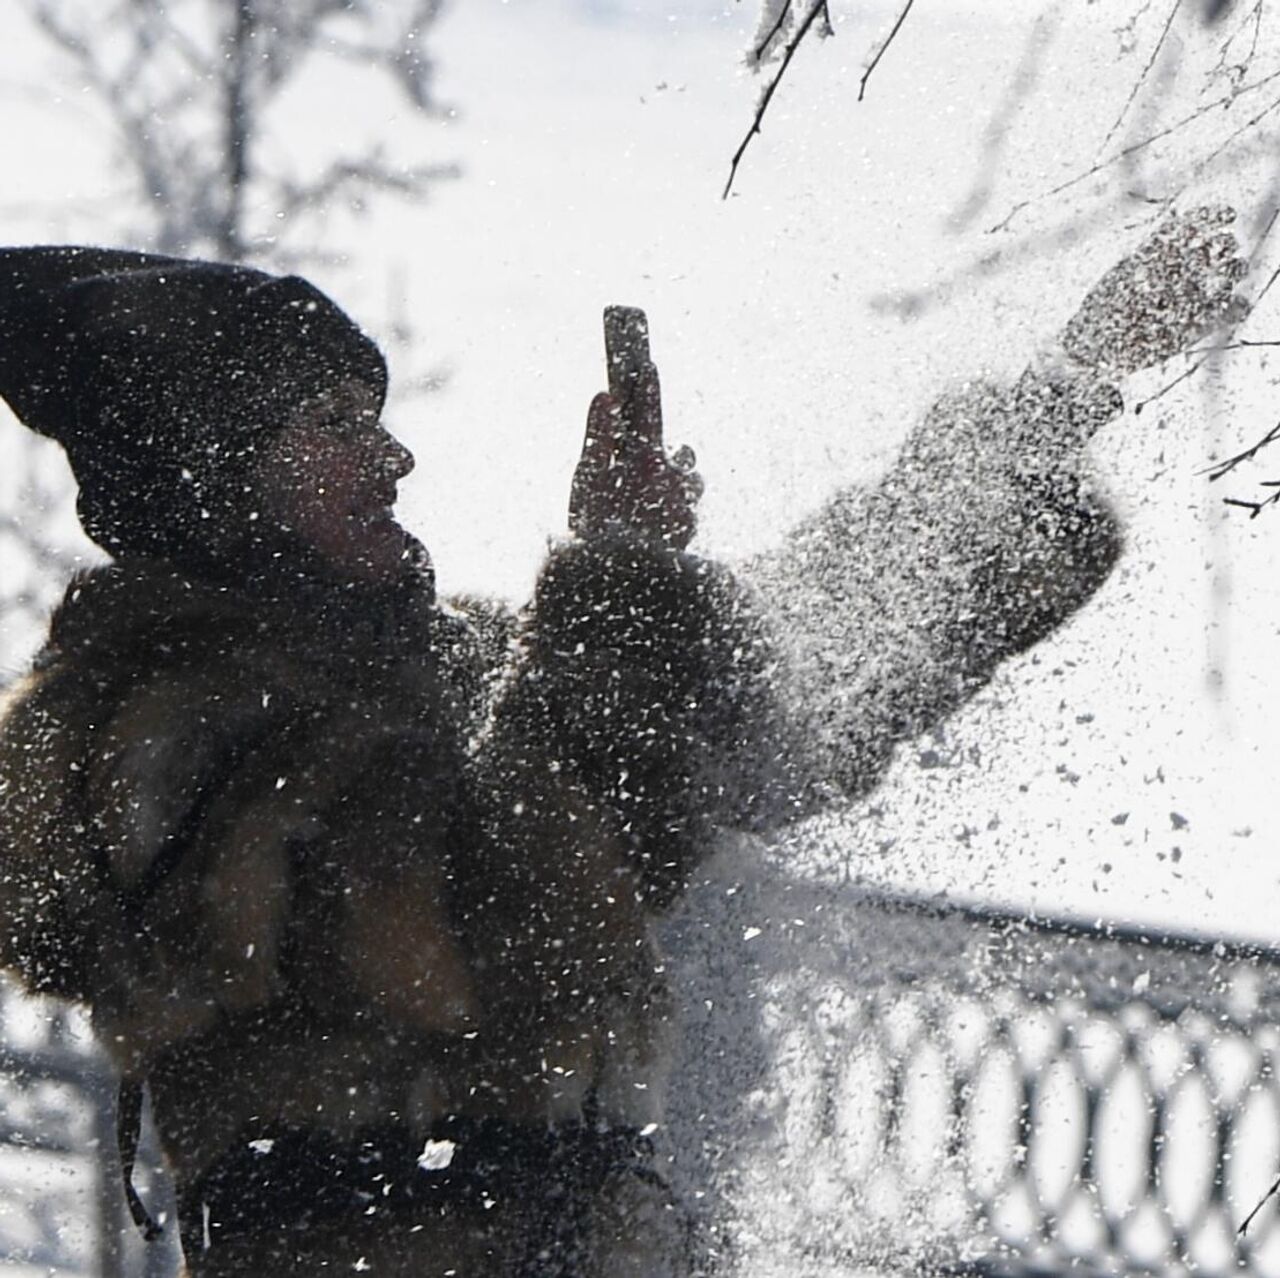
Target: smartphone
626 352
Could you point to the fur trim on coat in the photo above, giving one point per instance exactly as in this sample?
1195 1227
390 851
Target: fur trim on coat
307 864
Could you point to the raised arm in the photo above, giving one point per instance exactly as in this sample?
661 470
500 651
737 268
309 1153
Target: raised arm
636 718
892 605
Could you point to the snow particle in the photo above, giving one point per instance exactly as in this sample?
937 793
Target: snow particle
436 1155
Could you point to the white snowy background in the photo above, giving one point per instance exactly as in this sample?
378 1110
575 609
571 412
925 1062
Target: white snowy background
1125 769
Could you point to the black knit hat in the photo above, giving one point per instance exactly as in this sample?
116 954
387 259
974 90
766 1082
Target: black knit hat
159 376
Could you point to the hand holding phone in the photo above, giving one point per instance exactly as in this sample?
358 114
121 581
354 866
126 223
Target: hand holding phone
624 476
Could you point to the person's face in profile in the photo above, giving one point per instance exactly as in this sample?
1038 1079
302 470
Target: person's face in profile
330 477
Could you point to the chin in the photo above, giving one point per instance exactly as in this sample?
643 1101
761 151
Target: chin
381 552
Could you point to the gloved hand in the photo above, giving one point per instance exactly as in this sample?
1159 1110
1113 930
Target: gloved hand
625 477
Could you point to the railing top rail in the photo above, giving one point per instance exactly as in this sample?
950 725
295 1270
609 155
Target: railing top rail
1070 927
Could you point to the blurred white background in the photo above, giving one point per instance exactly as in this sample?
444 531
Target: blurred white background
1123 770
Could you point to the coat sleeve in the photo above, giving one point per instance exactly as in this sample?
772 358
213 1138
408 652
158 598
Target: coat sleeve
893 604
642 698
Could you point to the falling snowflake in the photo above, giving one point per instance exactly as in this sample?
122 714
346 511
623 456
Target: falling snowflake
436 1155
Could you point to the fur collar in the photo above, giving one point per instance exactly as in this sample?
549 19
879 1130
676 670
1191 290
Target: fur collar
149 601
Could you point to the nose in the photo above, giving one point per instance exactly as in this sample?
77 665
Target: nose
396 460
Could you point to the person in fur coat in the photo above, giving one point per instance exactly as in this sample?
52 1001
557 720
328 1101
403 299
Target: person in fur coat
361 883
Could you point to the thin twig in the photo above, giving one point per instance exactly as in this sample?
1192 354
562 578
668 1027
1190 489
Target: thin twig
1205 160
1257 31
762 48
1218 348
293 198
1164 390
793 44
1142 79
1132 149
1271 222
875 62
1239 69
1241 344
1030 248
1255 508
1219 469
1130 27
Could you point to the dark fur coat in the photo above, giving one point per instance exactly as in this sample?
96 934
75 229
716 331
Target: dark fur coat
341 871
348 862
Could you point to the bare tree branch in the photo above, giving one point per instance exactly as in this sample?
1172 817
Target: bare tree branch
1213 154
1185 375
1255 508
880 52
1248 1220
1136 87
237 126
1262 238
818 6
911 303
998 126
763 47
188 94
346 175
1219 469
1242 344
1237 70
1159 136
